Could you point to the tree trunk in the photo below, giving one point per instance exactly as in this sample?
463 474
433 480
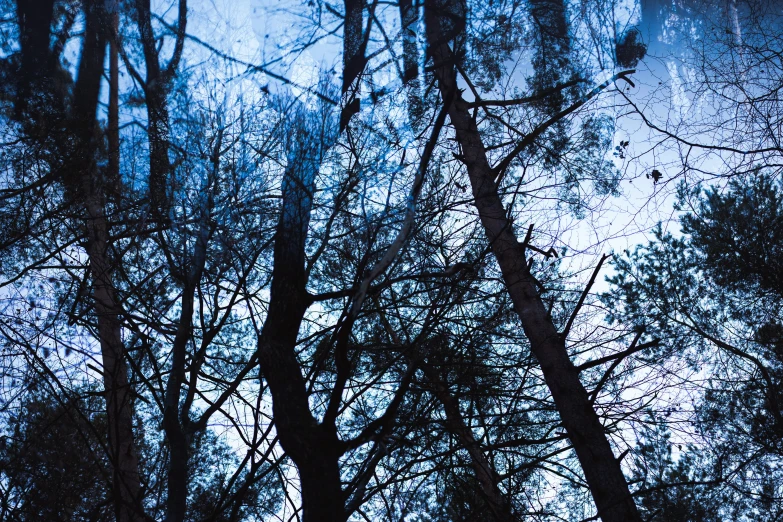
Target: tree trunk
113 123
176 418
85 184
602 471
155 93
126 485
313 447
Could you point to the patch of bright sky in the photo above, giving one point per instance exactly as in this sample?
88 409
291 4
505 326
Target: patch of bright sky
280 27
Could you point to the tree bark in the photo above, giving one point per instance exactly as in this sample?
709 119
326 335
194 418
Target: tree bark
353 43
126 486
602 471
410 51
354 59
113 123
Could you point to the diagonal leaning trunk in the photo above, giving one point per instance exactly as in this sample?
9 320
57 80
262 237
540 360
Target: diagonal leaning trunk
601 469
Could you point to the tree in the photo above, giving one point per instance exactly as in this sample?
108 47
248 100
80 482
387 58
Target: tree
58 114
55 464
712 296
157 309
602 471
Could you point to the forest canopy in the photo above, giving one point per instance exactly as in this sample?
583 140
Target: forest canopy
419 260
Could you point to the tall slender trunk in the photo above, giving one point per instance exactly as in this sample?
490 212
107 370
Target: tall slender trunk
113 123
410 52
177 434
126 486
353 43
176 418
602 470
354 59
86 185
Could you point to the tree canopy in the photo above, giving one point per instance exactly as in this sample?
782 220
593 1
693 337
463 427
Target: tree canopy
331 261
